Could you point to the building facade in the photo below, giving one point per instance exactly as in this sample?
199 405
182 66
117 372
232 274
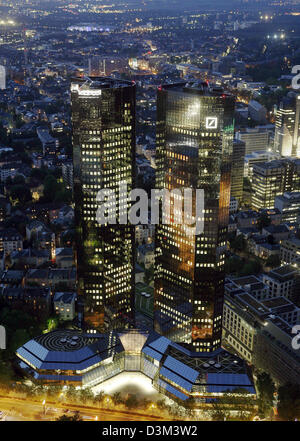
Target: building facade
194 148
289 206
268 181
290 250
103 119
261 333
69 357
237 170
256 139
287 127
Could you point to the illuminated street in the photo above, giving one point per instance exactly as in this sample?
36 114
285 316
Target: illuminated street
18 409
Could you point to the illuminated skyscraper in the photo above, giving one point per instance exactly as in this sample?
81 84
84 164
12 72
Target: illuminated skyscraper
237 169
194 149
103 119
287 127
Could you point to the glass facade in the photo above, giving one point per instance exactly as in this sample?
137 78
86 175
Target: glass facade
287 125
103 119
194 149
237 170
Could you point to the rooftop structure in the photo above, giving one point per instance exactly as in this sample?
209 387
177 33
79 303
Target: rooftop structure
89 359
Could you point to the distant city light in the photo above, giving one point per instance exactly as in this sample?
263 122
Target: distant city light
7 22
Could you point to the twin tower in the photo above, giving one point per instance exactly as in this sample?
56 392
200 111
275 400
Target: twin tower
194 137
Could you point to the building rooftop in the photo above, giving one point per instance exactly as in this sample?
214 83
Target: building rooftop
64 297
65 350
246 280
276 229
88 85
268 165
283 273
290 196
197 87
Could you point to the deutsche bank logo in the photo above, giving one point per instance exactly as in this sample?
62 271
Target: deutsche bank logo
2 337
211 122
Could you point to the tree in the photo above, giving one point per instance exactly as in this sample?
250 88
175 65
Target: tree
218 412
86 395
239 243
289 401
20 327
21 194
247 185
161 404
266 389
149 275
53 391
75 417
19 337
251 267
131 402
233 265
117 398
71 393
273 261
50 187
271 239
19 180
98 399
25 158
3 134
63 195
263 221
38 173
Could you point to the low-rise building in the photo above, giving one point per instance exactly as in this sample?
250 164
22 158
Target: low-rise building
250 284
279 232
289 206
290 250
64 276
274 352
144 233
256 331
10 240
37 277
234 205
281 281
247 219
64 305
50 145
146 255
64 257
30 257
144 299
265 250
90 359
32 299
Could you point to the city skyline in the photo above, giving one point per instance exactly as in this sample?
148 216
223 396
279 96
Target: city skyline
149 212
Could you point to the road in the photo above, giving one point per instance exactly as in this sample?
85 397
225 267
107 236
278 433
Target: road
24 409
